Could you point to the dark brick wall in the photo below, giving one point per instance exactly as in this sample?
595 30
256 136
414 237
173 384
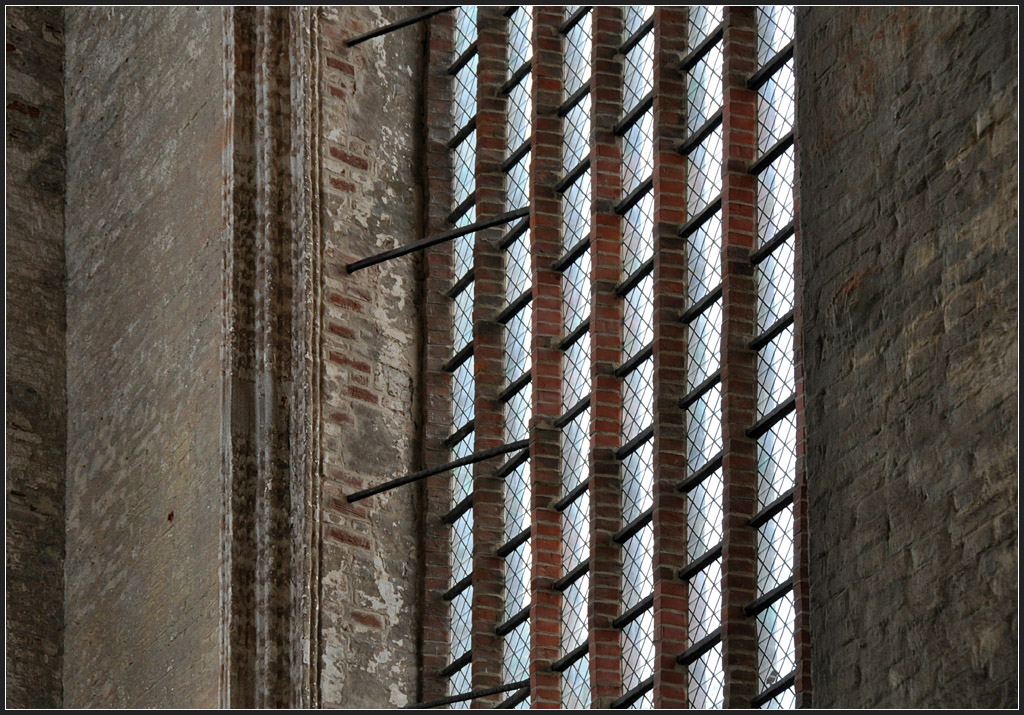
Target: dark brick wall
36 399
371 359
144 241
908 145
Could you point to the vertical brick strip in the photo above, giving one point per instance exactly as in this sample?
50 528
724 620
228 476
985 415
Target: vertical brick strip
669 514
436 492
606 354
488 591
801 536
739 381
545 247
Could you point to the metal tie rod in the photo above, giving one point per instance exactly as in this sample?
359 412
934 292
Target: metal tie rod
469 696
461 462
411 20
436 239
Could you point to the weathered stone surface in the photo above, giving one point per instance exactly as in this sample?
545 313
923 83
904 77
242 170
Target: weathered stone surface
145 122
908 145
36 399
371 359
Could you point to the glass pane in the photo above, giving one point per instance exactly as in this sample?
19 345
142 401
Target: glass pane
463 305
576 135
575 451
517 185
516 654
776 460
638 152
635 16
786 700
520 32
464 245
704 603
704 428
638 234
702 22
775 644
775 375
576 211
775 29
461 622
638 72
517 267
704 516
638 317
463 393
517 580
703 345
516 356
704 89
637 400
574 614
519 107
465 28
462 477
707 680
637 568
576 372
704 173
776 108
465 94
462 547
704 258
517 414
637 650
637 482
576 532
517 500
775 551
576 685
577 54
464 166
775 197
576 292
775 288
461 683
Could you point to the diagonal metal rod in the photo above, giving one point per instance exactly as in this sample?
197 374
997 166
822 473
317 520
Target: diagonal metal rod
411 20
437 238
469 696
461 462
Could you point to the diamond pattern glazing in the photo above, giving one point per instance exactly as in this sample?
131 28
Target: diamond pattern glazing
576 135
786 700
775 376
702 22
517 415
775 29
704 345
775 197
517 267
517 185
707 681
462 547
638 152
704 602
576 292
776 460
638 72
460 684
465 28
576 532
638 234
519 107
775 644
575 441
464 245
574 613
704 173
576 372
638 317
704 428
704 517
704 89
637 650
775 551
464 108
516 357
637 567
462 477
576 685
577 54
463 392
515 654
635 16
775 287
464 164
517 500
637 400
704 258
520 33
517 579
461 622
576 211
463 306
637 482
776 107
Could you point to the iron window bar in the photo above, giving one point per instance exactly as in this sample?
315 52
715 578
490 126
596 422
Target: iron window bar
460 357
512 623
573 335
458 664
565 107
776 150
573 412
629 530
634 694
459 434
515 386
701 474
634 196
771 67
458 510
463 59
634 278
522 71
457 213
516 698
458 588
517 230
695 310
634 444
703 131
700 647
462 283
777 240
514 543
522 150
773 331
417 476
464 132
398 25
570 496
699 564
512 464
563 663
573 574
765 423
634 362
573 19
570 256
780 686
632 613
484 692
575 173
634 39
762 517
633 115
763 603
701 389
703 215
442 237
697 53
510 310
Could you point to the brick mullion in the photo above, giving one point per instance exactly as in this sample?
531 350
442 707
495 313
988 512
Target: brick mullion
604 601
488 502
801 535
438 327
545 458
739 375
669 449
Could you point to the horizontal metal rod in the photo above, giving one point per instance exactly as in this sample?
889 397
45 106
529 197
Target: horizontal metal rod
411 20
437 238
469 696
461 462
